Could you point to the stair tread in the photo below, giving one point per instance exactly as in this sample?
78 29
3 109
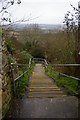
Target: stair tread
46 96
53 92
44 90
42 86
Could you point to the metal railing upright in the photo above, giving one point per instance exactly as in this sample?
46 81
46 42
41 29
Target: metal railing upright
14 79
46 64
65 65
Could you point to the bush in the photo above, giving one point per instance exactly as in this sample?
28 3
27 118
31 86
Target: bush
38 52
9 46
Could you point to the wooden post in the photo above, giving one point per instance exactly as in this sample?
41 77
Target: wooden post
14 90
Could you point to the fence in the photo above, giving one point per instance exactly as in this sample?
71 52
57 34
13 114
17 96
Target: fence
65 65
25 69
46 64
41 60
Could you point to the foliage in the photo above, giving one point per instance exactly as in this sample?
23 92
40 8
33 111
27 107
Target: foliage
51 45
10 60
22 57
23 82
26 56
3 34
9 45
32 37
70 85
71 22
37 52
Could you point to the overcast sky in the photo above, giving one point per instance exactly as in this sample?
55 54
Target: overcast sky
46 11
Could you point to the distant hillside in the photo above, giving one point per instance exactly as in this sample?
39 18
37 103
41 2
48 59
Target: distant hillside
54 27
50 26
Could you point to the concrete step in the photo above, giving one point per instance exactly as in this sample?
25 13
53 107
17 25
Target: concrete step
45 92
35 90
44 87
46 95
44 84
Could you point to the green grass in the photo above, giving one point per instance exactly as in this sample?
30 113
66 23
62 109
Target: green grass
22 83
70 85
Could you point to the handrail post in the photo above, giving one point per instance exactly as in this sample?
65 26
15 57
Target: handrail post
45 63
23 70
29 63
14 90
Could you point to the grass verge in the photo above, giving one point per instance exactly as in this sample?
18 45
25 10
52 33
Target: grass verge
70 85
22 83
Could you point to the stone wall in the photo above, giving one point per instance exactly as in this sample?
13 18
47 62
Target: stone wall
6 81
6 90
0 85
0 76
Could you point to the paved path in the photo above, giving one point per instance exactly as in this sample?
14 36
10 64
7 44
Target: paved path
45 100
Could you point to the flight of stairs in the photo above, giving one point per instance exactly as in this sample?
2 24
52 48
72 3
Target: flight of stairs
42 86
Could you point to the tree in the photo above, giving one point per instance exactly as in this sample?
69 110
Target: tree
4 11
5 14
32 37
72 21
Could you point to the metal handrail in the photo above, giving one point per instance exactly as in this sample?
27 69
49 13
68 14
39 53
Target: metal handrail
46 66
20 75
60 65
14 80
41 59
66 65
67 75
18 64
